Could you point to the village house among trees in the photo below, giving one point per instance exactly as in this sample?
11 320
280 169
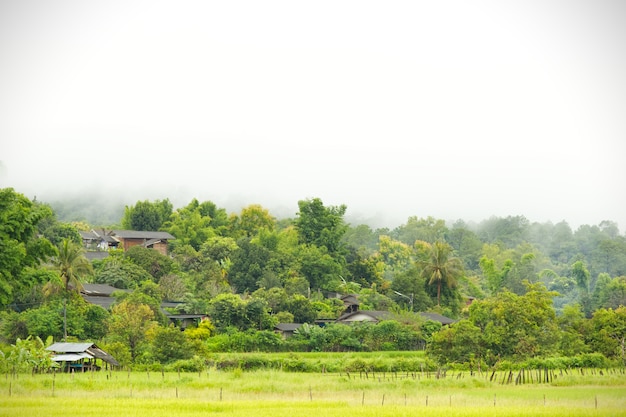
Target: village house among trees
171 286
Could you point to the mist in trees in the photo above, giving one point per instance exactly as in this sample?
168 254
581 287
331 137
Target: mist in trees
248 271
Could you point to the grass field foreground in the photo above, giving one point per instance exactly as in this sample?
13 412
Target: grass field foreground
276 394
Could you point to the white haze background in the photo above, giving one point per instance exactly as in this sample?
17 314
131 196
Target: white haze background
455 109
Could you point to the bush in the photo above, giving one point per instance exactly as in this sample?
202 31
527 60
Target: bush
195 364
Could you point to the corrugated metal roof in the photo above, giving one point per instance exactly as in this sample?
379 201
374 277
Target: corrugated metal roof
62 347
77 351
71 357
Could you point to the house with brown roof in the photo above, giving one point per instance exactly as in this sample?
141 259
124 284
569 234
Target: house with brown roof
103 240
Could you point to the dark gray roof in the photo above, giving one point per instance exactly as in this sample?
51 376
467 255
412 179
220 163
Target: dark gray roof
378 315
104 302
385 315
99 289
437 317
87 235
138 234
288 327
184 316
91 255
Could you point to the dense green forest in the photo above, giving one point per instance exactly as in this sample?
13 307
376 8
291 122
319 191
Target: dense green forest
517 289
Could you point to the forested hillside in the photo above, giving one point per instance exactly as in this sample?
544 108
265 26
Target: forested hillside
518 289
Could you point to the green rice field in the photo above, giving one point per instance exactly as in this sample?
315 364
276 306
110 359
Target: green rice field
276 393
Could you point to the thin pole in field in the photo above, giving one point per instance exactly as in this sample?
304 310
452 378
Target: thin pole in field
363 399
383 403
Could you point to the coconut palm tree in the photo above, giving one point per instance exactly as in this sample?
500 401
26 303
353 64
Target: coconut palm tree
71 265
440 267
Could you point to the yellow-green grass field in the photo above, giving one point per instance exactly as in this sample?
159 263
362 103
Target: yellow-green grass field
277 394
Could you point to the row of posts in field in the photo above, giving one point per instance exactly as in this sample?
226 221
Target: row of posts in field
523 376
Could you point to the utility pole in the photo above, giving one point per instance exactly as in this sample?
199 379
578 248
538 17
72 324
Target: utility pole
65 319
406 296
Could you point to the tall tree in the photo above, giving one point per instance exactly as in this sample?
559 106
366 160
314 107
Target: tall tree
71 265
147 216
20 247
428 230
440 267
190 225
251 221
321 226
129 323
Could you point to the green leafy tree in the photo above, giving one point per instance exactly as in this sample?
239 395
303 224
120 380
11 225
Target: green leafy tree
321 226
465 243
514 326
20 247
394 255
191 225
572 324
248 266
319 267
362 269
169 344
58 231
155 263
460 343
130 323
428 230
412 285
510 231
608 334
119 271
227 310
146 215
251 221
301 308
581 276
362 237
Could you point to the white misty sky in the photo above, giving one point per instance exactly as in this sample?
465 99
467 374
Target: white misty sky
449 109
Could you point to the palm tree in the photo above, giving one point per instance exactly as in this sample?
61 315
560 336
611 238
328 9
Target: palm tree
439 267
72 266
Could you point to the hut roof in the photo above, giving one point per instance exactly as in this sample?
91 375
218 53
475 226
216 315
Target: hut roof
78 350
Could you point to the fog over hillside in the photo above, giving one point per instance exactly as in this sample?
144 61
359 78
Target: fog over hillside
456 110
